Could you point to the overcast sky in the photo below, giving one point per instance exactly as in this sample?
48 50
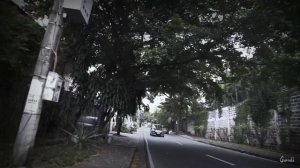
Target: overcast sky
153 106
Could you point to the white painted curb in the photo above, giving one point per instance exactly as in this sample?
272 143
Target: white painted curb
148 152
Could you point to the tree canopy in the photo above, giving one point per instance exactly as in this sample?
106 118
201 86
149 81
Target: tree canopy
177 47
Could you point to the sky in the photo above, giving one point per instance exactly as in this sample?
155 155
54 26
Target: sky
153 106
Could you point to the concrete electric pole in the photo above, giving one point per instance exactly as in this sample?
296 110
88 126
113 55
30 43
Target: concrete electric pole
33 107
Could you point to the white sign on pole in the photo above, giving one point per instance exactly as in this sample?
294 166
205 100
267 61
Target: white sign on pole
35 92
78 11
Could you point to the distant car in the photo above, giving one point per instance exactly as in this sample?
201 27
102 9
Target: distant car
157 130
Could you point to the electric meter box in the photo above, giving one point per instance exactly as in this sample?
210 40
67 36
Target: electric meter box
52 87
78 11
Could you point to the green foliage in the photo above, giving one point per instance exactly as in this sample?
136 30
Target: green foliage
285 137
146 117
38 8
259 112
199 115
258 92
283 100
182 48
272 28
242 113
161 116
241 132
242 128
200 130
115 40
284 109
177 107
83 135
130 130
256 109
48 156
20 38
61 155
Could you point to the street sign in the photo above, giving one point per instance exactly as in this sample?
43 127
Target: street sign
78 11
33 98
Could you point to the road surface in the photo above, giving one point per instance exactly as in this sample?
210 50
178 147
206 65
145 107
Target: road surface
174 151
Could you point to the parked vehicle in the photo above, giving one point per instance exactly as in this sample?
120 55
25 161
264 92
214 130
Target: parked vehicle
87 121
157 130
85 128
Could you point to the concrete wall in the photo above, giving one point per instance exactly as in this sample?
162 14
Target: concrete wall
220 125
128 122
295 120
190 127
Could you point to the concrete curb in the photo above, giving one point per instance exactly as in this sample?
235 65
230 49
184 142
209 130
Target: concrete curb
149 158
132 158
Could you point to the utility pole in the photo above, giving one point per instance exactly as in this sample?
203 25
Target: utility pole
33 107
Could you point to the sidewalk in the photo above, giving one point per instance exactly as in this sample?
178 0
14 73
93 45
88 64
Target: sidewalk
118 154
265 153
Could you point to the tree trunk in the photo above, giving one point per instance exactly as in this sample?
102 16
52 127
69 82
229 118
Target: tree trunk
119 123
236 94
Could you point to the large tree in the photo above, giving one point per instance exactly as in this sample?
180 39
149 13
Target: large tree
170 47
272 28
152 46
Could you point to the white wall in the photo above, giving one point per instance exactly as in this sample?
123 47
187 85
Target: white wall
190 127
224 119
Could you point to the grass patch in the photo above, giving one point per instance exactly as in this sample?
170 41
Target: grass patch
61 155
50 156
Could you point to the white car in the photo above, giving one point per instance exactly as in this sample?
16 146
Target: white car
156 129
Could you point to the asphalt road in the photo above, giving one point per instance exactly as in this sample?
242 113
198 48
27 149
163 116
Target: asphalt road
174 151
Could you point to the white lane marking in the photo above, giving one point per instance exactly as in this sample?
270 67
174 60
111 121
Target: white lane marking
179 143
148 152
231 150
240 152
220 160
